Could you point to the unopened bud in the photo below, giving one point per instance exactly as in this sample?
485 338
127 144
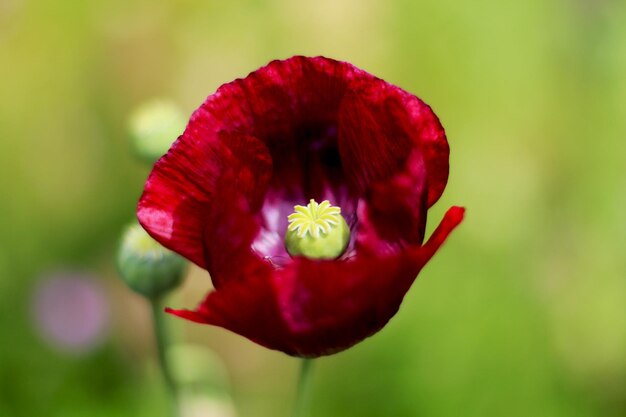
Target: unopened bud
147 267
154 126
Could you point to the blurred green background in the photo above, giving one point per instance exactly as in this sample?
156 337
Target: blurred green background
523 312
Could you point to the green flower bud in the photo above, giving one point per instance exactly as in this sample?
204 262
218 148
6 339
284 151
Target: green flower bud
317 231
154 126
147 267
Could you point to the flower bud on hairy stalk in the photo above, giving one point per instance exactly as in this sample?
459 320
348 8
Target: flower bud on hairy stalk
317 231
147 267
154 126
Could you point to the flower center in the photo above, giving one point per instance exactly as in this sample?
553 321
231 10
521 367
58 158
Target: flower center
314 218
317 231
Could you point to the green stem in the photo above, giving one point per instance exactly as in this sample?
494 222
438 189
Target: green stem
303 392
160 332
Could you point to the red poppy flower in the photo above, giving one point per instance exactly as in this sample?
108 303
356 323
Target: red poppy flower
295 130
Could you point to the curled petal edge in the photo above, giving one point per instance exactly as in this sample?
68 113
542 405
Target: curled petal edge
453 217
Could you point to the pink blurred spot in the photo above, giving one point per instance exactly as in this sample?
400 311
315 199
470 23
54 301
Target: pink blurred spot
70 311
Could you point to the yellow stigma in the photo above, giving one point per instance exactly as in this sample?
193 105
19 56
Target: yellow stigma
317 231
314 219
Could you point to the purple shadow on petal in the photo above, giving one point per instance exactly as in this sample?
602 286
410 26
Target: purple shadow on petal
70 311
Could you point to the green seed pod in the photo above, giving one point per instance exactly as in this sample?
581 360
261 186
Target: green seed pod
317 231
154 126
147 267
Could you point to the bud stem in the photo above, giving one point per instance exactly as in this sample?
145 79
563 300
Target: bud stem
161 335
303 393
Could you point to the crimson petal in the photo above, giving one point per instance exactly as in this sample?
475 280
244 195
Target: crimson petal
380 125
182 196
315 308
247 307
394 212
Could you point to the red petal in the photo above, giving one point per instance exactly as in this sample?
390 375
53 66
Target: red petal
247 308
276 102
308 309
293 106
380 125
229 230
252 169
315 308
188 188
453 217
330 306
393 213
